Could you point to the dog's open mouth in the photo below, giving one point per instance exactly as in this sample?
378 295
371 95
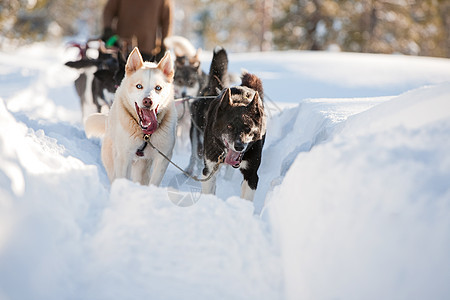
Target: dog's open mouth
147 119
233 158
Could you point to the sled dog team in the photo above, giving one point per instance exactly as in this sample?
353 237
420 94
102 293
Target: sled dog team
227 124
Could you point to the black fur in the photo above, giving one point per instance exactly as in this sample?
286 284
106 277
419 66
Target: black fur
237 117
217 80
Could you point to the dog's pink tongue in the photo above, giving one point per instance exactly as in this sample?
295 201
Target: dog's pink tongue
149 123
232 158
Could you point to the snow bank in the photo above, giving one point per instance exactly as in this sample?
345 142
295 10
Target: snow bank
65 236
147 248
365 215
48 198
290 76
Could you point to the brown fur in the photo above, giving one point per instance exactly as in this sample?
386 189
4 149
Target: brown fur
252 81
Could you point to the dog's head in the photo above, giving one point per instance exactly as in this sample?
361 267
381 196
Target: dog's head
147 88
239 121
188 76
187 81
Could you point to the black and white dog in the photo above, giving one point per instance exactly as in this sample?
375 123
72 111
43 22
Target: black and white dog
235 129
218 79
97 82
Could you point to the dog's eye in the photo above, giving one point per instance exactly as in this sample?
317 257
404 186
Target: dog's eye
139 86
158 88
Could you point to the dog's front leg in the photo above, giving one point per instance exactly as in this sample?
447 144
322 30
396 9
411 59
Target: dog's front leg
247 192
251 178
122 167
159 168
249 169
140 171
209 186
194 150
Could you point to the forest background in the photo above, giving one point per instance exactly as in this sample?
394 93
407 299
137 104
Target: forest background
371 26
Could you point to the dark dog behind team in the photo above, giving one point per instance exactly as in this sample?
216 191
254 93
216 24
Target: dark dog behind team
236 128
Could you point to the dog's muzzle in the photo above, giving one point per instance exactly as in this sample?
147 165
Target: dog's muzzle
147 118
233 157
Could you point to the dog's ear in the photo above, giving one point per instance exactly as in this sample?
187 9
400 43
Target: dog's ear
134 62
255 100
197 54
180 61
166 66
226 99
257 107
195 65
254 104
195 60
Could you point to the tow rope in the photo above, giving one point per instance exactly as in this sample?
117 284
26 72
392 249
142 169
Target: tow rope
140 152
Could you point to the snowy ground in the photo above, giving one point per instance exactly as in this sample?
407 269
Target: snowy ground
353 203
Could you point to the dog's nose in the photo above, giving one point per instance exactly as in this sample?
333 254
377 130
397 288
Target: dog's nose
238 145
147 102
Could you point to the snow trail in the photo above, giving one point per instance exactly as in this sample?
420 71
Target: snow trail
354 193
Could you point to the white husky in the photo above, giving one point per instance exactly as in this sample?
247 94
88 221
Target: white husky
143 105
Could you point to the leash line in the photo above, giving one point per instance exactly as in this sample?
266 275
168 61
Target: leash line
182 99
187 98
215 169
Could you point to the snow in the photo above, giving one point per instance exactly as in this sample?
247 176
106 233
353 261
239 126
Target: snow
353 201
371 206
292 76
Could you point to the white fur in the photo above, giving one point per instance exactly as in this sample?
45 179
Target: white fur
181 45
123 134
95 125
88 106
244 165
246 192
209 186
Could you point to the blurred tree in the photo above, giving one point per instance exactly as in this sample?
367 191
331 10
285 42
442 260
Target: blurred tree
235 24
305 24
379 26
444 8
33 20
417 27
